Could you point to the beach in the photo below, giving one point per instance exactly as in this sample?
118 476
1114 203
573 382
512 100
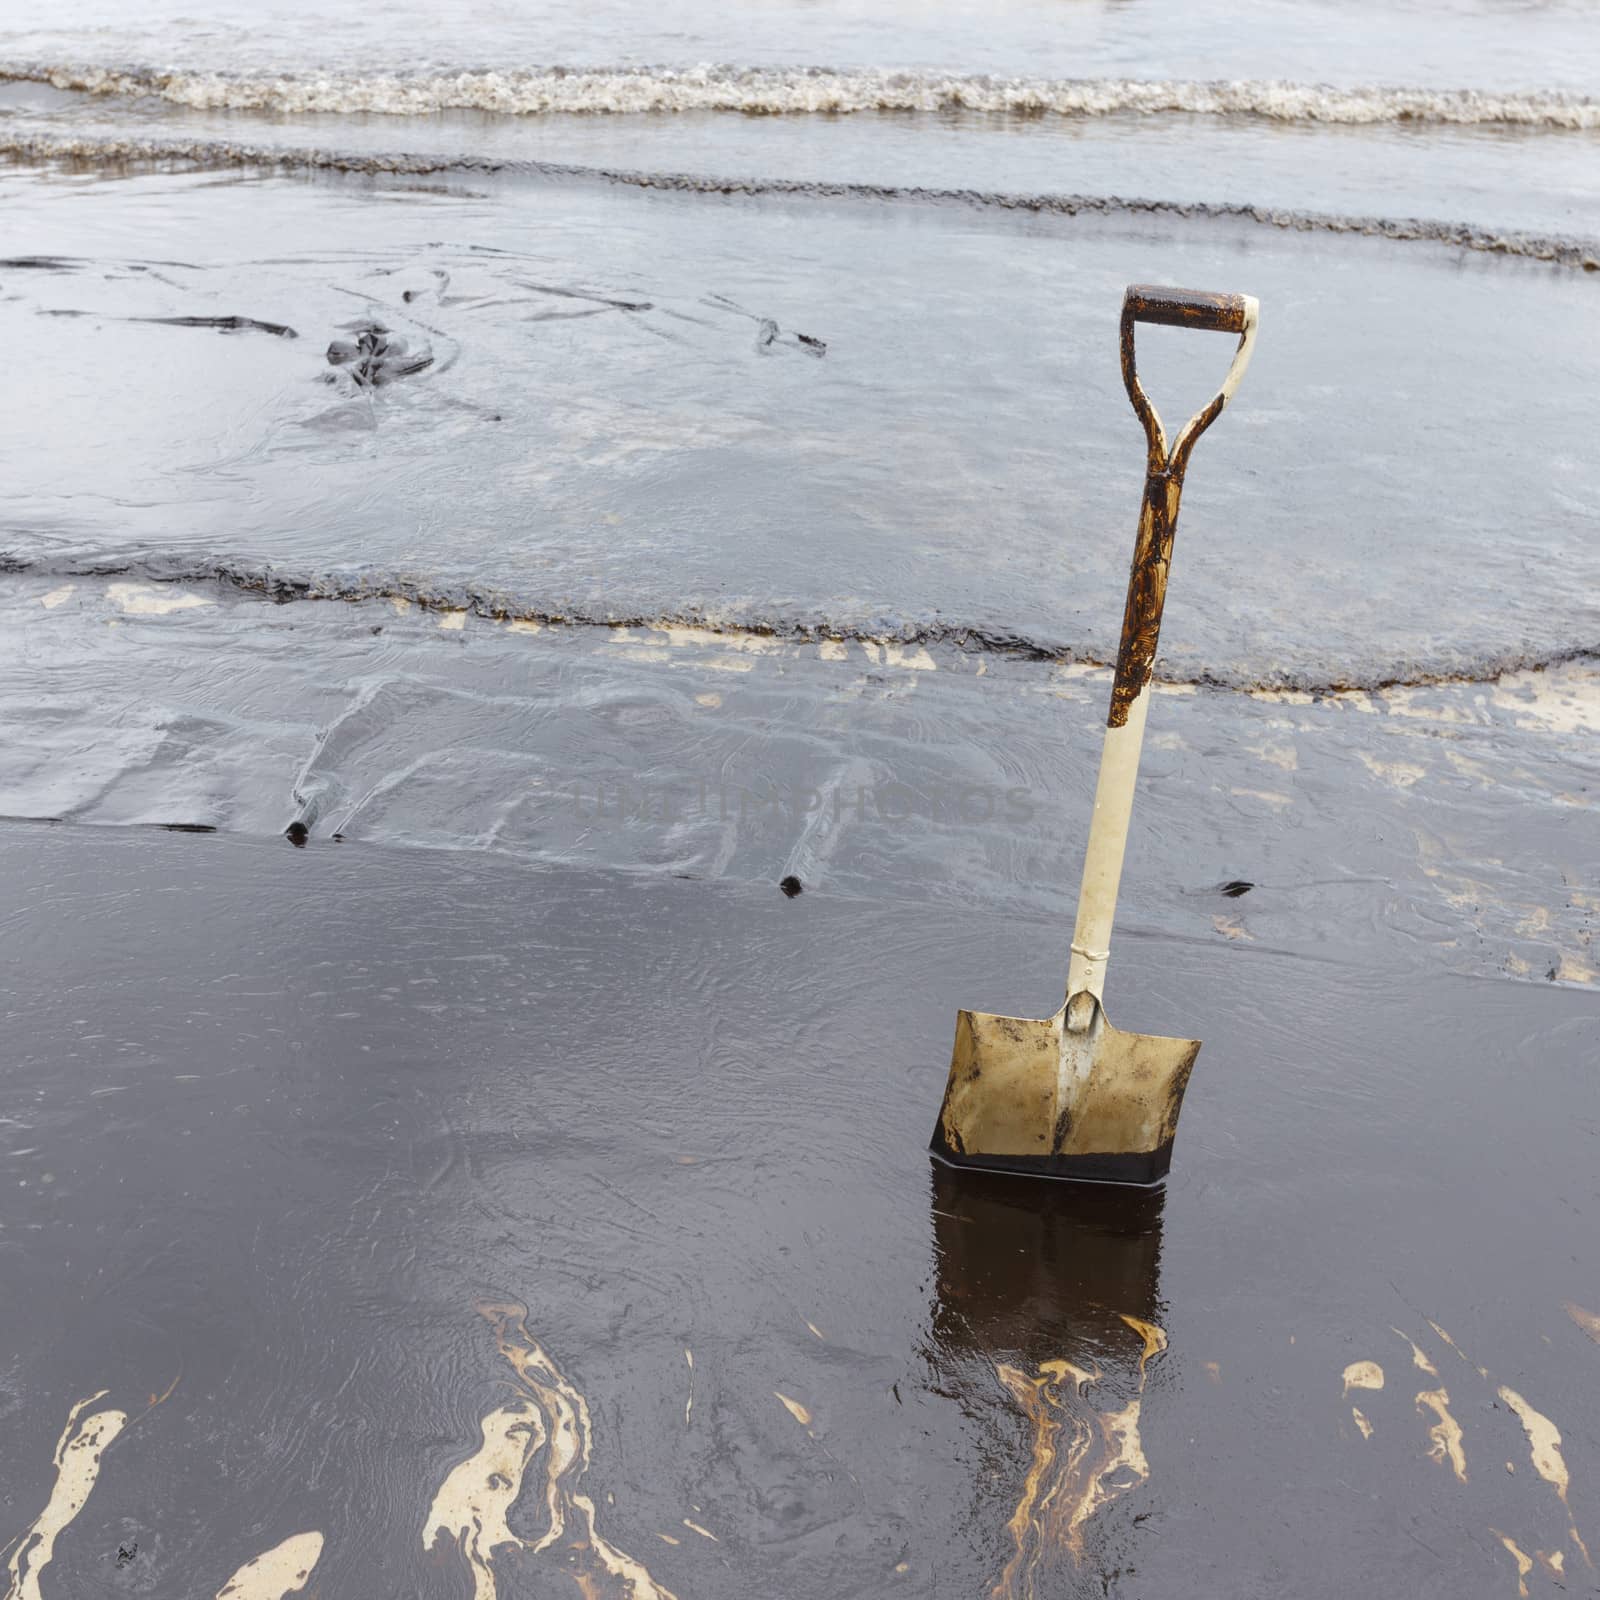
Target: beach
560 575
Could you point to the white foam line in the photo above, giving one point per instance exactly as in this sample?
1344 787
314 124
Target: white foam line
541 90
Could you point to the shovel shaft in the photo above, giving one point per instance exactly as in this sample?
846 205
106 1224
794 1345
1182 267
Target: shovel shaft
1141 617
1108 842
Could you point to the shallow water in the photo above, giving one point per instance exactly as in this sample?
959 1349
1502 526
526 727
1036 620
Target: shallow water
605 431
1462 113
1450 43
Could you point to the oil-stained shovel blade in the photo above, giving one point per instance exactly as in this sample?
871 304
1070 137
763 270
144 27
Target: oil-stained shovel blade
1037 1096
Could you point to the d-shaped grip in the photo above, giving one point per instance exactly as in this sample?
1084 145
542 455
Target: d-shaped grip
1184 308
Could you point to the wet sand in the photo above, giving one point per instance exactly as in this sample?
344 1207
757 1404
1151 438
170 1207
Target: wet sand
1435 828
330 1169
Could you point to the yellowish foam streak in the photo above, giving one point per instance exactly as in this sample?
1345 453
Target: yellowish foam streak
1122 1466
276 1573
1544 1445
1445 1433
1587 1320
78 1451
1418 1359
145 600
1081 1460
679 636
474 1502
888 654
1155 1341
1363 1375
476 1497
1037 1517
1524 1562
1361 1422
565 1413
1551 702
1483 1372
795 1409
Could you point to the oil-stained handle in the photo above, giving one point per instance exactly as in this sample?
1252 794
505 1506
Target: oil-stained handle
1187 308
1184 308
1141 620
1164 469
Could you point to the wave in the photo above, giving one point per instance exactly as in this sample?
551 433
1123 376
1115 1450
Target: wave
792 91
283 586
1570 251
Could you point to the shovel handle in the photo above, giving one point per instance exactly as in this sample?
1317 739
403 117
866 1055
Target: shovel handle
1164 469
1184 308
1187 308
1141 617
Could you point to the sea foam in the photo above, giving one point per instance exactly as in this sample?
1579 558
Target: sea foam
762 91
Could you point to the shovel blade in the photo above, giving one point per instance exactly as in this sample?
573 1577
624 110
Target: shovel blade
1032 1096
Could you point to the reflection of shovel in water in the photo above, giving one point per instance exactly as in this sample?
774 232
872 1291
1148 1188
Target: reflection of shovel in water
1070 1096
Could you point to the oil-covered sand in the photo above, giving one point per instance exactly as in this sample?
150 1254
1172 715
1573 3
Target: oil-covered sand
545 1230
